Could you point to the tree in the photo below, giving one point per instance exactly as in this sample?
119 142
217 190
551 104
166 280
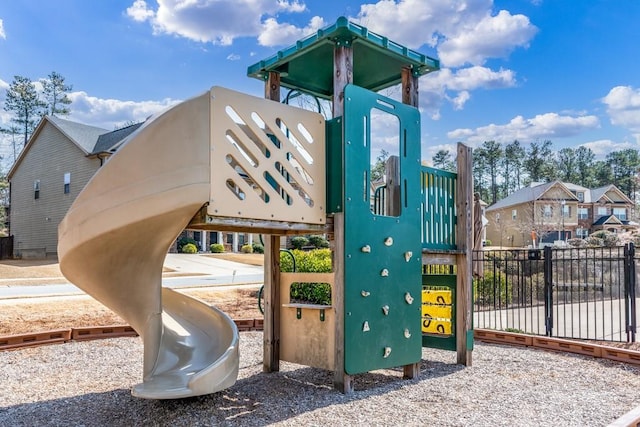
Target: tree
479 173
567 165
512 165
538 161
22 100
492 152
584 166
54 92
602 173
12 131
624 166
378 169
442 160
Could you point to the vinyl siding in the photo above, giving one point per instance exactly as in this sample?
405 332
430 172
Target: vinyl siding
34 223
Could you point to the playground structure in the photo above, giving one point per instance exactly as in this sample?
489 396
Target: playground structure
228 161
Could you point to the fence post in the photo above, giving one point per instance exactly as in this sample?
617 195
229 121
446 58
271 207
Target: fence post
630 291
548 291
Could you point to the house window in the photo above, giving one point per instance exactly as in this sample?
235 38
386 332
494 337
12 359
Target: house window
514 214
583 213
36 189
566 211
602 210
620 213
582 233
580 196
548 211
67 182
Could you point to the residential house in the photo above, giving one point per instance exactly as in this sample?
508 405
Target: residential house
59 159
545 213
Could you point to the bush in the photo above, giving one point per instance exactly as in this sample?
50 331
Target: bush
257 248
246 249
216 248
318 241
492 290
185 241
299 242
189 248
315 261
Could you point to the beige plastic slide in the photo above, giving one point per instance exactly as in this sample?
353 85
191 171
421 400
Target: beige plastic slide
113 242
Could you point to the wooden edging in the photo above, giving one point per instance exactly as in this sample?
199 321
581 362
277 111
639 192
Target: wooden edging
486 335
558 344
58 336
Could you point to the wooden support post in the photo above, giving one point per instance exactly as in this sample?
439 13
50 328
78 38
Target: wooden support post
392 172
342 75
464 237
409 97
272 304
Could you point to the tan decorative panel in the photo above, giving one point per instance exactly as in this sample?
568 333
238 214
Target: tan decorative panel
267 160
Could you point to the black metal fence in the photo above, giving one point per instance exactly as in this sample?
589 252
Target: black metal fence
582 293
6 247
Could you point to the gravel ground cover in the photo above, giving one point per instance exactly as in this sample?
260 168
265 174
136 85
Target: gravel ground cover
87 384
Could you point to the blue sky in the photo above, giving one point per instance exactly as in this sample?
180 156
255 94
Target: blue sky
530 70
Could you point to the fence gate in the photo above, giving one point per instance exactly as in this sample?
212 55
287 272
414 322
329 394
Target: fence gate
581 293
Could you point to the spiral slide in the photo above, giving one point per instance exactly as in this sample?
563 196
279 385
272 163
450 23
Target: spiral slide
113 241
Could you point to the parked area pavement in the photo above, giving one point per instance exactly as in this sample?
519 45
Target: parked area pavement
182 271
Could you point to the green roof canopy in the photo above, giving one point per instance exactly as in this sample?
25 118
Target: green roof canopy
377 61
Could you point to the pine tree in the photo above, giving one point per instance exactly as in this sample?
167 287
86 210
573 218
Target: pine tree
54 92
23 101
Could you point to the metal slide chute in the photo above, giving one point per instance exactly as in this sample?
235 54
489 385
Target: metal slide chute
114 239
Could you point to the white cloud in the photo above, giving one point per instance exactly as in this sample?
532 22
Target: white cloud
218 22
233 57
463 31
3 35
112 113
603 147
492 37
542 126
455 85
140 12
623 107
274 33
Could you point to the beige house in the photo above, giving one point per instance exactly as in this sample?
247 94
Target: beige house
553 211
55 165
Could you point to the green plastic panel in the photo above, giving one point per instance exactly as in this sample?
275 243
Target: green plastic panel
334 165
308 65
382 282
438 208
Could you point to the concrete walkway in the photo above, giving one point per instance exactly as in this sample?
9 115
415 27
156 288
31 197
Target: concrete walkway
195 271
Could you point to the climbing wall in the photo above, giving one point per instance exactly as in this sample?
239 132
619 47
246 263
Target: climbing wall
382 253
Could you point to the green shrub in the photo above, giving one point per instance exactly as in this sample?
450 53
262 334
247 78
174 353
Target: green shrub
492 290
318 241
184 241
246 249
216 248
189 248
299 242
315 261
257 248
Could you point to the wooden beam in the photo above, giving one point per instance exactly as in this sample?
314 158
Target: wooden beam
409 87
464 237
342 75
271 334
272 86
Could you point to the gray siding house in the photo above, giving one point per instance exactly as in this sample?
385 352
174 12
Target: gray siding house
55 165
